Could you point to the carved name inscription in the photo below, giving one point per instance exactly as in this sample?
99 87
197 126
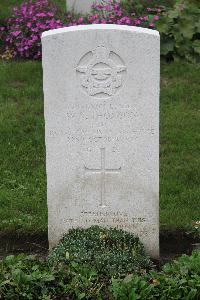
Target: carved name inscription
120 220
102 72
102 114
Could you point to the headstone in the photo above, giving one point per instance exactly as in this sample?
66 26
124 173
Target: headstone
80 6
101 90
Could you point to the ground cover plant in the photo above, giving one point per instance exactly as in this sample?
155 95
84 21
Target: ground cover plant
111 252
26 277
177 280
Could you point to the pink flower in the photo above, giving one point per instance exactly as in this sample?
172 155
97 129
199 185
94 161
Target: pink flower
41 15
15 33
108 7
50 14
23 31
151 25
156 18
137 22
80 20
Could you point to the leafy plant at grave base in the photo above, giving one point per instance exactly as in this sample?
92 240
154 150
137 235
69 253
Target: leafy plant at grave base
111 252
180 31
177 280
25 277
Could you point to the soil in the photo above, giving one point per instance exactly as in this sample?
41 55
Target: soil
172 244
175 243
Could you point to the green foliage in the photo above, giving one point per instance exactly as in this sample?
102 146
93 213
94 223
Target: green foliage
184 266
132 287
112 252
140 6
178 280
84 283
180 31
194 230
135 6
24 277
27 278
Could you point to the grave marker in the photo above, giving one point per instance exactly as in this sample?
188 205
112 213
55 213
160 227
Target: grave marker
101 90
80 6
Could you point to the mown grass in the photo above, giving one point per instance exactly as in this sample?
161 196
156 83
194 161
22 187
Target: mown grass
6 6
180 145
22 150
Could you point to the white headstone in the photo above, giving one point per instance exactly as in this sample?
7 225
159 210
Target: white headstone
101 88
80 6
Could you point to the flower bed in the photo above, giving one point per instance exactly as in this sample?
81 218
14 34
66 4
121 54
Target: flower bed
21 36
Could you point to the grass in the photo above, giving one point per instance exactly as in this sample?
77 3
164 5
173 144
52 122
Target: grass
180 145
22 150
6 6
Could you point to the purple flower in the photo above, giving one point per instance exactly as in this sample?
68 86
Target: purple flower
22 33
15 33
41 15
156 18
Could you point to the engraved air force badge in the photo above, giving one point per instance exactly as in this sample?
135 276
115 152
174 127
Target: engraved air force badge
101 72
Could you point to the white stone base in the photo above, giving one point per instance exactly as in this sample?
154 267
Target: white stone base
80 6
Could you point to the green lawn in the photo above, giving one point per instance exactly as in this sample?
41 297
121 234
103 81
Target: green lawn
6 6
180 145
22 150
23 187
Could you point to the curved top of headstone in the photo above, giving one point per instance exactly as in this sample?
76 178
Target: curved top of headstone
100 27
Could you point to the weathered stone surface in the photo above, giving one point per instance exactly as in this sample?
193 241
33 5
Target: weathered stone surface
80 6
101 88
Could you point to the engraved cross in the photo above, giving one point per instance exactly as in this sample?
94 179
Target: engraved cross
103 172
